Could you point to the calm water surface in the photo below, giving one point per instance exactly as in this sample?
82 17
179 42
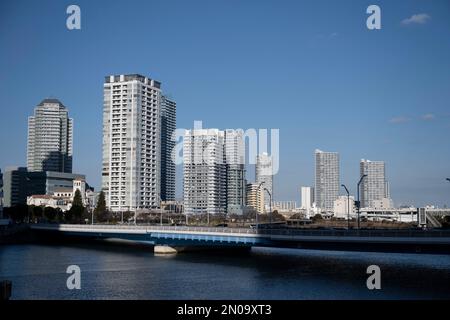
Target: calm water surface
127 272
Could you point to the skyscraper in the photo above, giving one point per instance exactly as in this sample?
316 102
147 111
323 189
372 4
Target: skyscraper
234 157
204 172
131 142
374 186
168 126
326 179
264 173
50 136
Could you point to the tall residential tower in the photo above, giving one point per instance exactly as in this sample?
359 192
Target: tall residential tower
326 188
373 187
204 172
168 127
131 142
235 161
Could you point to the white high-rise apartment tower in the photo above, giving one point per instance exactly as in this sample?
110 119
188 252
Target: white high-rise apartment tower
264 173
326 179
131 142
235 161
373 187
204 172
50 138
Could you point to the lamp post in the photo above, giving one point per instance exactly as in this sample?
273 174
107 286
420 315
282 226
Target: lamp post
258 190
359 203
270 205
348 206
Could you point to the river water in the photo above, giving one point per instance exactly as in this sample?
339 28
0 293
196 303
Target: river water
38 271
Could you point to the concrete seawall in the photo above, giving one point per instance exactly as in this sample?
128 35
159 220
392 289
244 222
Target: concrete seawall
16 233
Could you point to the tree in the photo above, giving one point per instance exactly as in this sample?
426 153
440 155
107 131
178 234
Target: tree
77 200
317 218
50 213
76 211
37 212
59 215
17 213
100 211
276 216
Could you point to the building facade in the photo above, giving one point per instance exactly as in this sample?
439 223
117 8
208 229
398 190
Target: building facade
235 166
50 136
204 172
344 206
255 198
374 186
131 167
15 186
62 197
19 183
285 205
168 127
264 174
307 195
326 188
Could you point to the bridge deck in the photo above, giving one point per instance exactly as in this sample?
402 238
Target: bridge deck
400 236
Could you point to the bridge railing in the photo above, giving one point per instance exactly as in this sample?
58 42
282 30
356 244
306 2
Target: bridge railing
156 228
270 232
358 233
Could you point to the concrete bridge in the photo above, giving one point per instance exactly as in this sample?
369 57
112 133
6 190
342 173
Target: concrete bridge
168 239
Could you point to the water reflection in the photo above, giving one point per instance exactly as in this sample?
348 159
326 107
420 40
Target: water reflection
134 272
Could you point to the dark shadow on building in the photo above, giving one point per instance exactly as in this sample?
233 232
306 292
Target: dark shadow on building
57 161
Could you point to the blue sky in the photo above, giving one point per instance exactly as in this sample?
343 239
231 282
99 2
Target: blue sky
310 68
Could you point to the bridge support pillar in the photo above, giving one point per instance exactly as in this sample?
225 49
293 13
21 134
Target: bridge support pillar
164 250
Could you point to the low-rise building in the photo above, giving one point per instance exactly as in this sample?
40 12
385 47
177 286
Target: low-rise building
44 200
384 203
344 206
254 198
62 197
285 205
19 183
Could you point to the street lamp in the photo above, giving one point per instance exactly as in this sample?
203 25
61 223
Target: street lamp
359 203
348 206
448 179
259 188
